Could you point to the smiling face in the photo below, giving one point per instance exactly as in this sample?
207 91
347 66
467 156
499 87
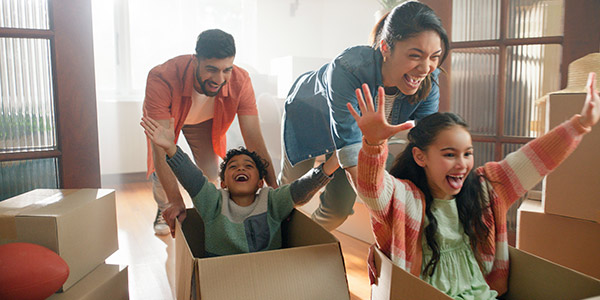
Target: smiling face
447 161
212 74
410 61
241 177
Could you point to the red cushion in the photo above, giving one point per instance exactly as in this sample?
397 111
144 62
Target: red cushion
30 271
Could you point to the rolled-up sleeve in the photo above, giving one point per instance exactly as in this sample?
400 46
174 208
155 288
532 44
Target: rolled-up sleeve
158 97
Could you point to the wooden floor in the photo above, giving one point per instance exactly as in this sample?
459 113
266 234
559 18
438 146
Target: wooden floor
151 258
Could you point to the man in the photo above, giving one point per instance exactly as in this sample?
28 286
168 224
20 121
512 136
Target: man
203 93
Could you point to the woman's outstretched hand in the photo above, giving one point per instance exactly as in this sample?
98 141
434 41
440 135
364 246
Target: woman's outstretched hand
159 135
372 123
591 108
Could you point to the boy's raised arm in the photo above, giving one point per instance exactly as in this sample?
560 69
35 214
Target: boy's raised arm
188 174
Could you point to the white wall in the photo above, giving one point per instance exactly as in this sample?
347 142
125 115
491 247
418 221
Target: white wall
317 29
121 138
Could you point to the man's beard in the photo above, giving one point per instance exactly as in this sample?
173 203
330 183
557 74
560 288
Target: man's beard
208 93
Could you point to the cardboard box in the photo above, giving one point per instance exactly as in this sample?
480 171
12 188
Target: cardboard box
79 225
309 266
104 282
570 242
572 189
530 278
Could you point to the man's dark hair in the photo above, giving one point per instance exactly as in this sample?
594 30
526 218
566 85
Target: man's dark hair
215 43
261 164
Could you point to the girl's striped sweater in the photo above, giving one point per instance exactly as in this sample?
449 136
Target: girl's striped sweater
397 206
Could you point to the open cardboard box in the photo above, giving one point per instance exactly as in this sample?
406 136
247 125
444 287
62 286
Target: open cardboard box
309 265
80 225
530 278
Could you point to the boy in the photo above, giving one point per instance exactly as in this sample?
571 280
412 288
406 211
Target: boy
236 218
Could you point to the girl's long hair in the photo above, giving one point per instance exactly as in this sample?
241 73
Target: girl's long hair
469 201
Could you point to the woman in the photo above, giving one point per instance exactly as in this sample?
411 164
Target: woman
410 44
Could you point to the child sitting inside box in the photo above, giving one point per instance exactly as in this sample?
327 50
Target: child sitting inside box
436 216
236 218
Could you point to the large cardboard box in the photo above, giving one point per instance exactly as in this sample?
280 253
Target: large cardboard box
309 266
79 225
530 278
570 242
572 190
104 282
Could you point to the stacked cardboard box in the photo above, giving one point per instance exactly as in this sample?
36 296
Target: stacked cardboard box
565 226
309 265
79 225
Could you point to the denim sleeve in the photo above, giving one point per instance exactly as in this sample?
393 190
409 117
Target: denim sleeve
431 104
345 132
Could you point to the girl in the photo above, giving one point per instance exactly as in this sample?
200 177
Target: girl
434 216
410 46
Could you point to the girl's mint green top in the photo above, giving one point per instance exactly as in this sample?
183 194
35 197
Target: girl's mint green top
457 273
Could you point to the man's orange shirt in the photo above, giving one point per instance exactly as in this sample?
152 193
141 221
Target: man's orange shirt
169 95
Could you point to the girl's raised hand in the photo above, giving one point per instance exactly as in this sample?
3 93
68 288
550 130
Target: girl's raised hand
159 135
591 108
372 123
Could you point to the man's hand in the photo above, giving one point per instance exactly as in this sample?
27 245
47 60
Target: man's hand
175 210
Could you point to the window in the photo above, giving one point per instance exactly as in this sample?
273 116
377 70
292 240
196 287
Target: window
133 36
505 55
48 131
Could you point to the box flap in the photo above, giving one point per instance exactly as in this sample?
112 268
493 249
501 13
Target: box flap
531 206
309 272
185 262
532 277
395 283
300 230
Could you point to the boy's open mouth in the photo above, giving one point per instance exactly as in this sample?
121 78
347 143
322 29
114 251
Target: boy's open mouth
241 178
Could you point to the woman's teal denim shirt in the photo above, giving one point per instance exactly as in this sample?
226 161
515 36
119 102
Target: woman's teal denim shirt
316 120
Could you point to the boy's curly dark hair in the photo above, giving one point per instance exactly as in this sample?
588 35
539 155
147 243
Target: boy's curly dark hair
261 164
